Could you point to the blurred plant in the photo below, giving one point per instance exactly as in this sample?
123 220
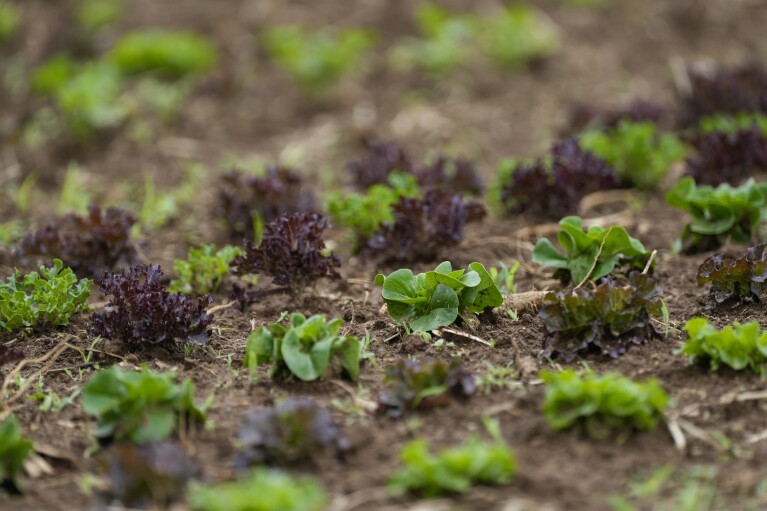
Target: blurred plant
516 36
169 54
10 19
14 449
74 196
503 276
160 209
203 271
93 15
317 60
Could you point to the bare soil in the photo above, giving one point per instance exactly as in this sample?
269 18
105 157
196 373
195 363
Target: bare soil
249 110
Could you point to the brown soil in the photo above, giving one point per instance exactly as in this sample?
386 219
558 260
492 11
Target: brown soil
249 110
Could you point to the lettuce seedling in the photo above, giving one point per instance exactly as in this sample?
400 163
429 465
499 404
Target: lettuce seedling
307 348
296 429
724 91
608 319
733 123
431 300
365 214
247 200
586 116
553 186
89 244
592 254
736 278
143 476
379 161
736 346
142 310
317 60
637 151
261 490
48 298
718 214
727 157
171 54
456 469
600 405
444 45
291 252
412 385
503 276
424 227
10 19
203 271
14 449
140 406
516 36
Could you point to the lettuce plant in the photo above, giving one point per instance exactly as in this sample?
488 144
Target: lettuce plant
610 247
450 175
730 91
424 227
736 278
140 406
365 214
307 348
296 429
172 54
412 385
93 15
46 298
607 319
718 214
553 186
203 271
317 60
142 310
90 244
291 252
143 476
600 405
727 157
14 449
261 490
431 300
732 123
379 160
516 36
639 153
10 19
456 469
736 346
246 200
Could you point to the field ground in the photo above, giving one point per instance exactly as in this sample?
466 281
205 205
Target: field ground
248 111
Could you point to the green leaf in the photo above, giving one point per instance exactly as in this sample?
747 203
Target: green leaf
442 310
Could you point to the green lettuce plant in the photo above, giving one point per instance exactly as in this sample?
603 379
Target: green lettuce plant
601 404
456 469
307 348
718 214
730 124
140 406
14 449
203 271
592 254
317 60
10 19
171 54
434 299
640 154
261 490
516 36
45 298
738 346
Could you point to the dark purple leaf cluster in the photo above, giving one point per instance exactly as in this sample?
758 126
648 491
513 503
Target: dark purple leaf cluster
241 196
451 175
290 252
607 319
380 160
724 91
140 477
585 116
424 227
414 385
9 355
143 311
296 429
88 244
727 157
734 279
553 187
